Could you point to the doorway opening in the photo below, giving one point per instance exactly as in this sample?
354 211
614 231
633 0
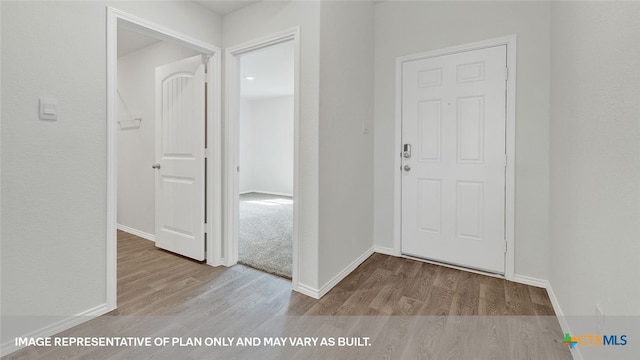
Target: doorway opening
163 141
262 154
139 56
265 212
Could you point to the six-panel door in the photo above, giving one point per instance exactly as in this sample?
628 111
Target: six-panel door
453 192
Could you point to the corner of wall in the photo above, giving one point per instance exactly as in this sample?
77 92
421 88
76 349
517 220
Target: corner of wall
346 109
259 21
324 289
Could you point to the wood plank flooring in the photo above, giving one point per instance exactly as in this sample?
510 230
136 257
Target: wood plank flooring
409 309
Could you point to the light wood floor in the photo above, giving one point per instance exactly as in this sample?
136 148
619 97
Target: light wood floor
408 309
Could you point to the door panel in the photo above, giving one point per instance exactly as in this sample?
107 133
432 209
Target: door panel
453 191
470 129
430 135
429 205
180 125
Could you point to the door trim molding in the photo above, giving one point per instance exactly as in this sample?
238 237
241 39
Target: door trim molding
510 42
231 143
117 18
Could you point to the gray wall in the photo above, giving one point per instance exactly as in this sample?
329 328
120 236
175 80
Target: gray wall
404 28
595 158
260 20
336 167
266 145
54 173
346 163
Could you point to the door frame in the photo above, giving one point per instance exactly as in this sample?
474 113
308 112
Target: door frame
116 18
232 146
510 136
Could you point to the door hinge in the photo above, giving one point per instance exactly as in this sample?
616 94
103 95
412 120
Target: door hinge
505 246
506 73
506 160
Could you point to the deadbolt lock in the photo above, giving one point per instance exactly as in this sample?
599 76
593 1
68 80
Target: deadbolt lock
406 151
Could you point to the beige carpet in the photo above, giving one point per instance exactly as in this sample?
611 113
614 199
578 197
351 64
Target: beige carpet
266 229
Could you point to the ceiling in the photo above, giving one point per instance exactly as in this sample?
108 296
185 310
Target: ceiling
130 41
272 70
225 7
271 67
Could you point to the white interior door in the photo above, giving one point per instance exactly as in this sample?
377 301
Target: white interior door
180 168
453 182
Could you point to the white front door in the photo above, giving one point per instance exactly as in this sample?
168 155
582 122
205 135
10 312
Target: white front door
180 168
453 181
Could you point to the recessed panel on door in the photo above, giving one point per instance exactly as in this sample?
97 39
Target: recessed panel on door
429 125
429 205
430 77
177 107
178 192
470 72
470 128
469 210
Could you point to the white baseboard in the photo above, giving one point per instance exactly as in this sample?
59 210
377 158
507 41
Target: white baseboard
307 290
57 327
527 280
343 274
575 352
386 250
135 232
318 293
266 192
564 325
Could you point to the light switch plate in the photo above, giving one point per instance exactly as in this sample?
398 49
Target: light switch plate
48 109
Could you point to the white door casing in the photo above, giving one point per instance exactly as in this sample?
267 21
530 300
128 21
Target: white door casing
115 19
180 155
453 189
231 141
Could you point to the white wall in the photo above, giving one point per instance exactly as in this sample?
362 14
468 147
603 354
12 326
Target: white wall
346 161
595 157
266 145
54 173
265 18
136 146
404 28
336 187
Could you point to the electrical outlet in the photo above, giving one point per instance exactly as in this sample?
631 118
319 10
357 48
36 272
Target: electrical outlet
599 319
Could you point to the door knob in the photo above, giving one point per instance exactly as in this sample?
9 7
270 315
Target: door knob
407 168
155 166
